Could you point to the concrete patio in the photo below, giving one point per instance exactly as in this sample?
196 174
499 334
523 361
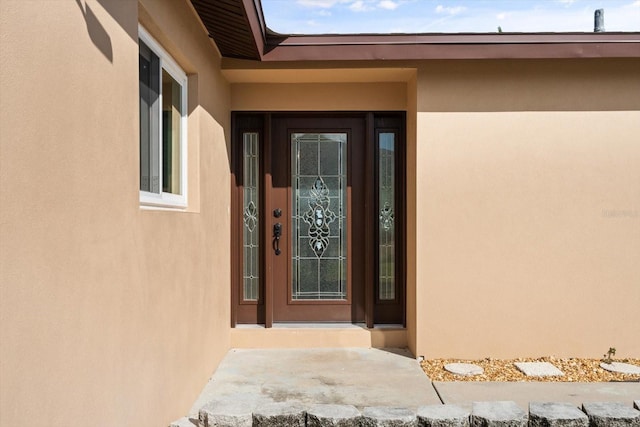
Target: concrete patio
376 377
347 376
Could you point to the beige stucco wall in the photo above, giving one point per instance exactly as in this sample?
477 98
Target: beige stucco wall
109 314
528 208
314 96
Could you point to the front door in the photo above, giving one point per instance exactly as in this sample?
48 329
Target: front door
315 233
316 198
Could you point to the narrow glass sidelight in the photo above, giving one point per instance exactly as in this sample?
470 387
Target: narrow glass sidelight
251 219
319 218
386 224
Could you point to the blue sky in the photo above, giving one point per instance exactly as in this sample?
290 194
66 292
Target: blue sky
447 16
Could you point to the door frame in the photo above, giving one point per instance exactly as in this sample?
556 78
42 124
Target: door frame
260 123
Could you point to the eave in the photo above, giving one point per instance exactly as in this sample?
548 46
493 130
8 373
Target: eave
239 30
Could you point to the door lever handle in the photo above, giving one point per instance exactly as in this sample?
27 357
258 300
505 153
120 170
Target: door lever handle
277 233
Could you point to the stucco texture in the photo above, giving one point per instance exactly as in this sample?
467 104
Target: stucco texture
523 202
528 208
107 311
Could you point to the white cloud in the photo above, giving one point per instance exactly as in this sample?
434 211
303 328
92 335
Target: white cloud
450 10
567 3
353 5
391 5
635 3
317 3
359 6
501 16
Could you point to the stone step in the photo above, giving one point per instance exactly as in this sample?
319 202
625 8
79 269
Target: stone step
611 414
333 415
498 414
549 414
484 414
381 416
443 415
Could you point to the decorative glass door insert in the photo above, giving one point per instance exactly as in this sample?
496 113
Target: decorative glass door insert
319 217
386 227
251 217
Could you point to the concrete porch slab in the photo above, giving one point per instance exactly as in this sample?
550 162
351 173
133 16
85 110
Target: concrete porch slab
463 393
343 376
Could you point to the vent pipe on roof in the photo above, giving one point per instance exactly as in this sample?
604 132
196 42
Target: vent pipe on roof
598 25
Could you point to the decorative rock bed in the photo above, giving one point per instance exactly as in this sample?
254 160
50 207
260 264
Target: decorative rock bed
574 370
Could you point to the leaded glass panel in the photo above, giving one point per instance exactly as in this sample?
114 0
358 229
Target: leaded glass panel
386 226
319 217
251 228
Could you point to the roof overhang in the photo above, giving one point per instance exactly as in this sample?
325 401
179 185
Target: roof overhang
239 30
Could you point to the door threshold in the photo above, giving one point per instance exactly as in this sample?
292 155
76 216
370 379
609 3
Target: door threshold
322 325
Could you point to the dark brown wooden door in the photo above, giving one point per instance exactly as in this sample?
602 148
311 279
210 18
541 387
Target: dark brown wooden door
316 201
318 218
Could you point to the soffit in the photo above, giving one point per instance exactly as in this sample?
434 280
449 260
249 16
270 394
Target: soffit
228 24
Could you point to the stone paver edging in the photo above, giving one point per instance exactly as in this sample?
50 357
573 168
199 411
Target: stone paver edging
611 414
443 416
543 414
498 414
381 416
280 414
333 415
489 414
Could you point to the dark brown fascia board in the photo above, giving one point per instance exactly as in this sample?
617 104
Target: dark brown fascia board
257 24
451 46
451 38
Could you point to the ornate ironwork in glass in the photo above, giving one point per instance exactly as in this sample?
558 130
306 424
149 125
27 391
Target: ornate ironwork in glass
251 203
386 226
319 184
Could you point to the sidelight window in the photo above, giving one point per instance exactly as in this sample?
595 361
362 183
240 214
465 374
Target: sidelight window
251 217
386 223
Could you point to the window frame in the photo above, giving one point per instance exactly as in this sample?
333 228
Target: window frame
168 64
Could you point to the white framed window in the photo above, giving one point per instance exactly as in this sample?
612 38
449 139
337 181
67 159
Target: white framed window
163 126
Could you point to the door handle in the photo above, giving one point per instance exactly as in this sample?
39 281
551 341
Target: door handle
277 233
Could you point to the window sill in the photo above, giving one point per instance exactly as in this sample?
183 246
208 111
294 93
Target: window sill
162 208
165 202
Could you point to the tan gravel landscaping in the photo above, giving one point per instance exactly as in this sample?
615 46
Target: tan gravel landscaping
575 370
